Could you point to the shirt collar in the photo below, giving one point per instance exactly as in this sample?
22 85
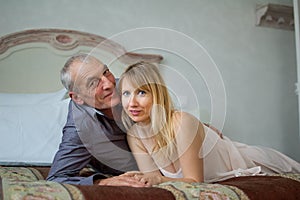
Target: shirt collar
98 112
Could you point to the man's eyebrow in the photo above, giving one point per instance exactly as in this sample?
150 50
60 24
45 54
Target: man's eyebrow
90 79
105 68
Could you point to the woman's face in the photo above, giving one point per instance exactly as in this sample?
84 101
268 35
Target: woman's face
136 102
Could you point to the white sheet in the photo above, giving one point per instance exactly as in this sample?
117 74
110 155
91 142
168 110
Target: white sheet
31 133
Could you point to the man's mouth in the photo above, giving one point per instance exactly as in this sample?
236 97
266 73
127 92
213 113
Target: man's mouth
107 95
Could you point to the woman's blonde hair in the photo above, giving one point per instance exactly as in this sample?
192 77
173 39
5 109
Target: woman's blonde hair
146 76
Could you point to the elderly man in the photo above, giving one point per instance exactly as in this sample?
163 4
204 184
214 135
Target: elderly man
93 135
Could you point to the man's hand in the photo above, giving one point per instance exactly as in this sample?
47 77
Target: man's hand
122 181
214 129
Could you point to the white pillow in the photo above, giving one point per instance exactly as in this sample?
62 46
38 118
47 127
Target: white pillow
31 133
32 99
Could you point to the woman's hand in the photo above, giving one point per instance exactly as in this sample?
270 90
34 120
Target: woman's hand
149 179
122 180
214 129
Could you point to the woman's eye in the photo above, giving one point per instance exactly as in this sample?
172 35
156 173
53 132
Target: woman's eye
141 92
126 93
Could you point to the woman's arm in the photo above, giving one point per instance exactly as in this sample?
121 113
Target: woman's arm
144 160
149 173
189 139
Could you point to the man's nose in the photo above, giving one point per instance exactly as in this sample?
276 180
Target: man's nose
106 83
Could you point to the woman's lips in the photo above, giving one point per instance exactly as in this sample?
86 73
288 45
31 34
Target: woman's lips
134 112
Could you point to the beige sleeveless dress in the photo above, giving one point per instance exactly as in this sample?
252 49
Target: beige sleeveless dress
225 159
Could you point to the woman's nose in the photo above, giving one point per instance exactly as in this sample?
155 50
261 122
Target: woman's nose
132 101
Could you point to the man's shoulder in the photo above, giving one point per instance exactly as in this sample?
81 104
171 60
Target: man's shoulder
78 109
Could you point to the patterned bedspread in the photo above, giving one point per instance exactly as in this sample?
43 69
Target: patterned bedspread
28 183
277 186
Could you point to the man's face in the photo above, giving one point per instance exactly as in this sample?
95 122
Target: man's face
95 85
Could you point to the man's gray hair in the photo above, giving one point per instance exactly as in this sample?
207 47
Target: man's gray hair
65 72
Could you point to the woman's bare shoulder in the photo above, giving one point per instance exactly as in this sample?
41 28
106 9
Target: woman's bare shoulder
182 115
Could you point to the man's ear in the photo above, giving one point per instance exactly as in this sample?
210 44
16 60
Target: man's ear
76 98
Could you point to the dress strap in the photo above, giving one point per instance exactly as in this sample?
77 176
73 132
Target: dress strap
177 174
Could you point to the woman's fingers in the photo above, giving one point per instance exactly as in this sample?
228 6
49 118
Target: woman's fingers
143 179
122 181
132 173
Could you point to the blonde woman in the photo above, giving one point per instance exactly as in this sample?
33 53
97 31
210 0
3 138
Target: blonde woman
171 145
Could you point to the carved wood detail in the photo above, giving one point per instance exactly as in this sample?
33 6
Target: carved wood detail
66 40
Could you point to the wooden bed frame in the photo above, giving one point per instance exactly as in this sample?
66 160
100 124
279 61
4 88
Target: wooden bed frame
46 50
30 61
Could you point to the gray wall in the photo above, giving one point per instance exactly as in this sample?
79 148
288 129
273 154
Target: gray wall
257 65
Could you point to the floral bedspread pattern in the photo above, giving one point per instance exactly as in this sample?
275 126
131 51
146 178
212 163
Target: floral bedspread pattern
20 174
295 177
21 183
15 190
203 191
28 183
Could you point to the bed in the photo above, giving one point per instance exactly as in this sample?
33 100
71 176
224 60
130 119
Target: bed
33 108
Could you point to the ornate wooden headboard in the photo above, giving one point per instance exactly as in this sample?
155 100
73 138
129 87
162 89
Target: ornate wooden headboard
30 60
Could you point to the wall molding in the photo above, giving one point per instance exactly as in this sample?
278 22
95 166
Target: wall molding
66 40
275 16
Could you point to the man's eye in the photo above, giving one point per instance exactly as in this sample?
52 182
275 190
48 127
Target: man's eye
106 72
94 83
